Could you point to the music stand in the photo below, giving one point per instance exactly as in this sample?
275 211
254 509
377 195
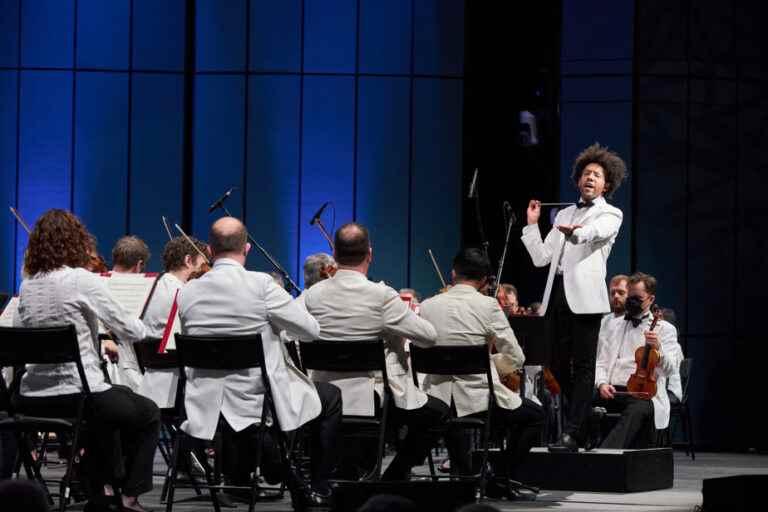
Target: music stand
532 333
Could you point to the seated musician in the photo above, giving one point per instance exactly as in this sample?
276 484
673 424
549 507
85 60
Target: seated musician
60 291
463 316
230 300
181 261
618 341
129 256
349 307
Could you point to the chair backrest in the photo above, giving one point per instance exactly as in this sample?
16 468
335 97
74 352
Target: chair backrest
148 357
220 352
345 356
41 345
685 375
453 360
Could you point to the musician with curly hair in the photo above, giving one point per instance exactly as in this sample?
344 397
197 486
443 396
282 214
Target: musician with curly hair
576 297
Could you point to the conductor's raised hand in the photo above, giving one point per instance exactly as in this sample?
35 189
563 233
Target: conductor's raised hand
533 211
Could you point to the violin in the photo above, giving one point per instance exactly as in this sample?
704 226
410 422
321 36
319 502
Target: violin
200 272
642 383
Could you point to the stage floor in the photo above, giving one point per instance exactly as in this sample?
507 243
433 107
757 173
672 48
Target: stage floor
684 496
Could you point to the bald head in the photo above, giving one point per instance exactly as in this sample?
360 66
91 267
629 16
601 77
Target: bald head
351 244
227 236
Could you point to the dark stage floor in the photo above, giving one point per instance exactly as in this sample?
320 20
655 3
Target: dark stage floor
684 496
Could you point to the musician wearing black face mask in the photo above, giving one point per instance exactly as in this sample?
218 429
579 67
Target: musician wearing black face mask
620 337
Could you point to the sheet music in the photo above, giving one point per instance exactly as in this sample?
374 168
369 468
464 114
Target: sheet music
130 290
6 319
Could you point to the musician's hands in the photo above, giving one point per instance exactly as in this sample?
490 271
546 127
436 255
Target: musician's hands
567 229
110 350
607 391
652 338
534 211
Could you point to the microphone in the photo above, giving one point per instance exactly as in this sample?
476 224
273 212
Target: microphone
318 214
473 186
509 213
220 201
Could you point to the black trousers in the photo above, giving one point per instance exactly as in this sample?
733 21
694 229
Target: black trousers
574 354
635 427
419 440
117 410
524 425
240 447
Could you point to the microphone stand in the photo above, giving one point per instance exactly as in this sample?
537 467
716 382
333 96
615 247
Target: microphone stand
483 241
269 257
319 223
511 221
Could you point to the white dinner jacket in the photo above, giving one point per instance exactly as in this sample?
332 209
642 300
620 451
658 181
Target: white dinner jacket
585 256
349 307
230 300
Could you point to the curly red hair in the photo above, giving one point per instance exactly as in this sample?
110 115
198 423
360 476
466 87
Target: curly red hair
58 239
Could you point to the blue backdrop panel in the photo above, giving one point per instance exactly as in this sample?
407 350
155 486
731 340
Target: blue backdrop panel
272 189
436 179
599 110
220 44
102 33
385 36
382 173
45 146
439 37
327 157
608 36
275 37
158 34
157 134
47 30
661 188
7 177
9 33
218 147
329 36
101 155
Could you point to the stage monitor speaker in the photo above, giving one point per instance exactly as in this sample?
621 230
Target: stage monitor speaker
445 496
731 493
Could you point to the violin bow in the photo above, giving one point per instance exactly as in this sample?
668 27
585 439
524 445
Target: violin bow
437 268
201 253
167 229
16 214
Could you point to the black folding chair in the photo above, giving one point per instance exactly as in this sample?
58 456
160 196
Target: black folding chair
233 353
680 413
49 345
354 357
459 360
170 418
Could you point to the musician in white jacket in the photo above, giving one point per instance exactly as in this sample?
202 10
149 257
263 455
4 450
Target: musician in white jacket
181 260
463 316
349 307
619 339
575 297
230 300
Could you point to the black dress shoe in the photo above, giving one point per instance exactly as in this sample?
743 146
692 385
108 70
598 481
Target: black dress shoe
566 444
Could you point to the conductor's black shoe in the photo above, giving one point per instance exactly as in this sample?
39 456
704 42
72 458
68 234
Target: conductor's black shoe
566 443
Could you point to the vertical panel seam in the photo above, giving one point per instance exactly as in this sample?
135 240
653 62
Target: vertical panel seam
129 142
409 255
301 134
244 194
634 157
18 150
355 109
187 169
73 135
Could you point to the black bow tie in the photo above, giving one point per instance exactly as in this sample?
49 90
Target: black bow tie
635 321
585 204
